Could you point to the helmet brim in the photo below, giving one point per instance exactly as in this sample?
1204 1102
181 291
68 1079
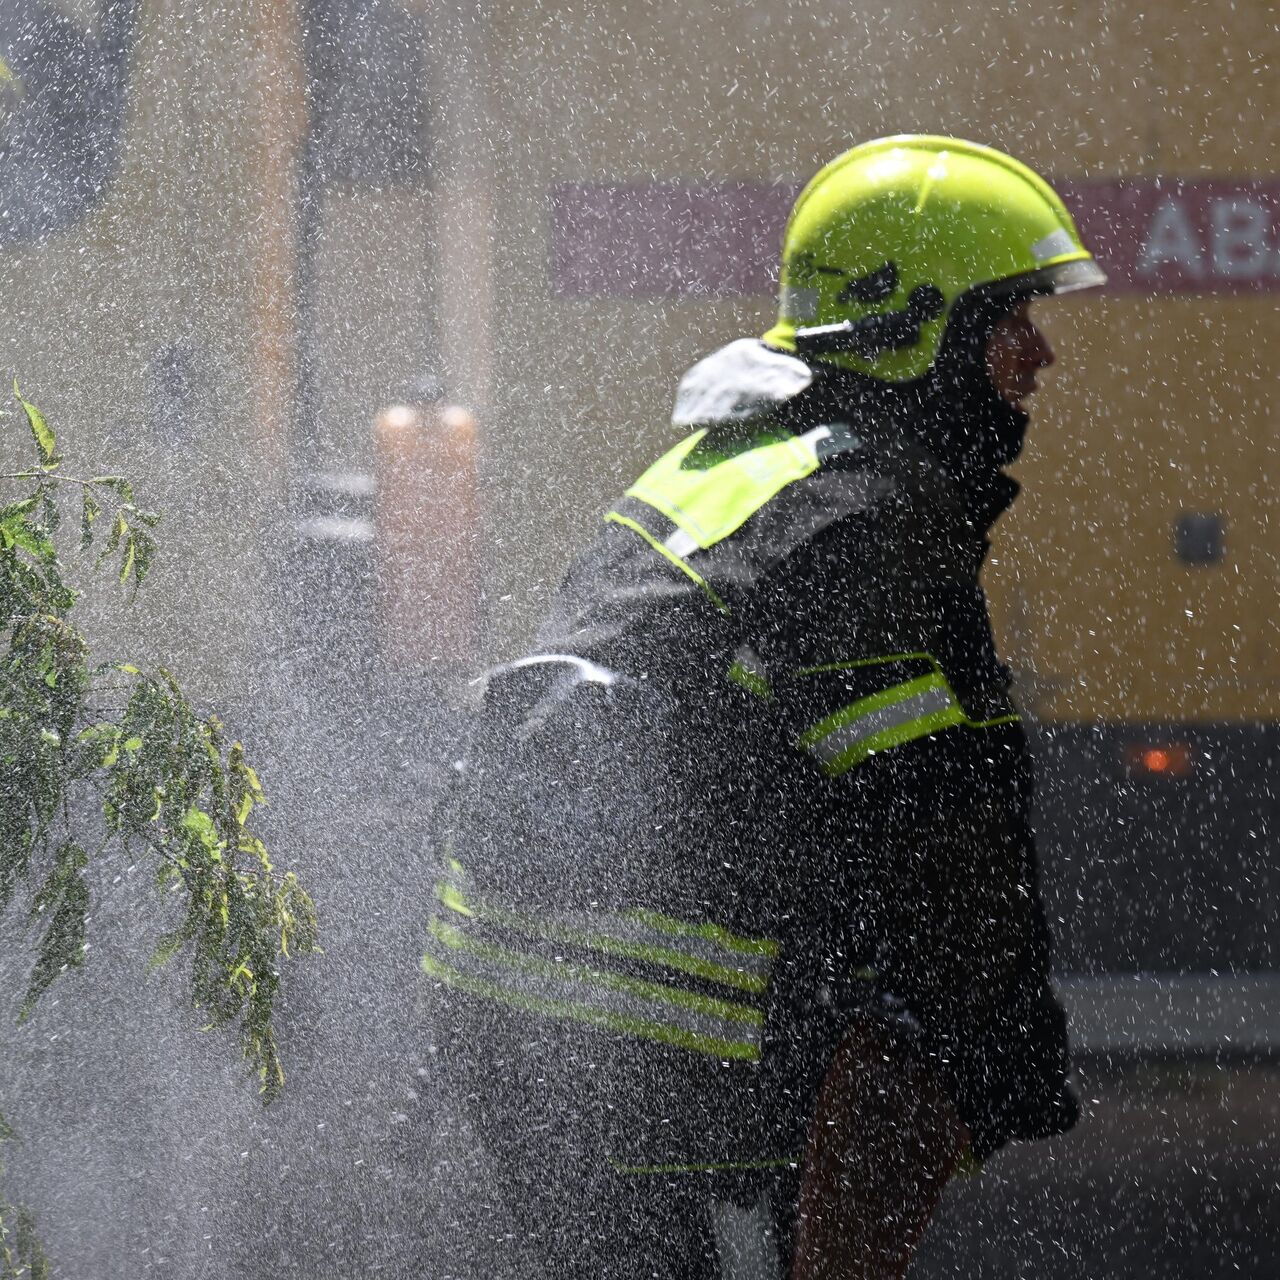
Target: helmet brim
1058 278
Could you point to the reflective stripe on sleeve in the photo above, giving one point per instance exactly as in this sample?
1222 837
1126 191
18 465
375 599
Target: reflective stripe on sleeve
890 718
749 671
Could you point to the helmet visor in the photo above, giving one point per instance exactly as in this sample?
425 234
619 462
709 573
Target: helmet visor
1070 277
1062 277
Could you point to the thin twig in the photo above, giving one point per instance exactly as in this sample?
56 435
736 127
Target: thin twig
57 479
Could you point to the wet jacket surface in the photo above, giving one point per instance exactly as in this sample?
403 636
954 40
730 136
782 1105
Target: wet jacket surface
765 732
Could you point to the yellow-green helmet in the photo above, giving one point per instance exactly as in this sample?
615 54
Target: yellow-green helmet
887 238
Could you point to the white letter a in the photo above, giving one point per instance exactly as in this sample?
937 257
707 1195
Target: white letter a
1172 239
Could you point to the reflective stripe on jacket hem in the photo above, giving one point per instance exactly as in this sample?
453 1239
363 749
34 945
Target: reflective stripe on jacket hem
592 997
702 951
511 957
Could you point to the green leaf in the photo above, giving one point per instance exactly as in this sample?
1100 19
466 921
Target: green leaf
40 429
118 483
168 946
30 1253
89 512
49 512
31 539
156 779
202 826
17 509
64 901
119 527
145 547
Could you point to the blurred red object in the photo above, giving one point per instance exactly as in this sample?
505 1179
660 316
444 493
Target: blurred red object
1162 760
428 519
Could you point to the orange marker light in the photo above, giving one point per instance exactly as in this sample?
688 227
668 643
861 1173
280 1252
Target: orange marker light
1160 760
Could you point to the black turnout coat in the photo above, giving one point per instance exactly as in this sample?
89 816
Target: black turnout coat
764 732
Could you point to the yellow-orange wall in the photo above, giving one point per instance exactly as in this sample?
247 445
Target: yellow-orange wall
1158 404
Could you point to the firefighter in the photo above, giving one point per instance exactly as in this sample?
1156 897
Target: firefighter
737 946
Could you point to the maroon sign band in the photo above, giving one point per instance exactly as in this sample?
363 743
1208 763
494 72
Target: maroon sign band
678 240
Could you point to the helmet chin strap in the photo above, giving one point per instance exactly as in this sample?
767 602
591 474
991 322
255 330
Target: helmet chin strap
954 410
968 423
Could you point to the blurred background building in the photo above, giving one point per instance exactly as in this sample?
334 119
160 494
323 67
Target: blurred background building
234 235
